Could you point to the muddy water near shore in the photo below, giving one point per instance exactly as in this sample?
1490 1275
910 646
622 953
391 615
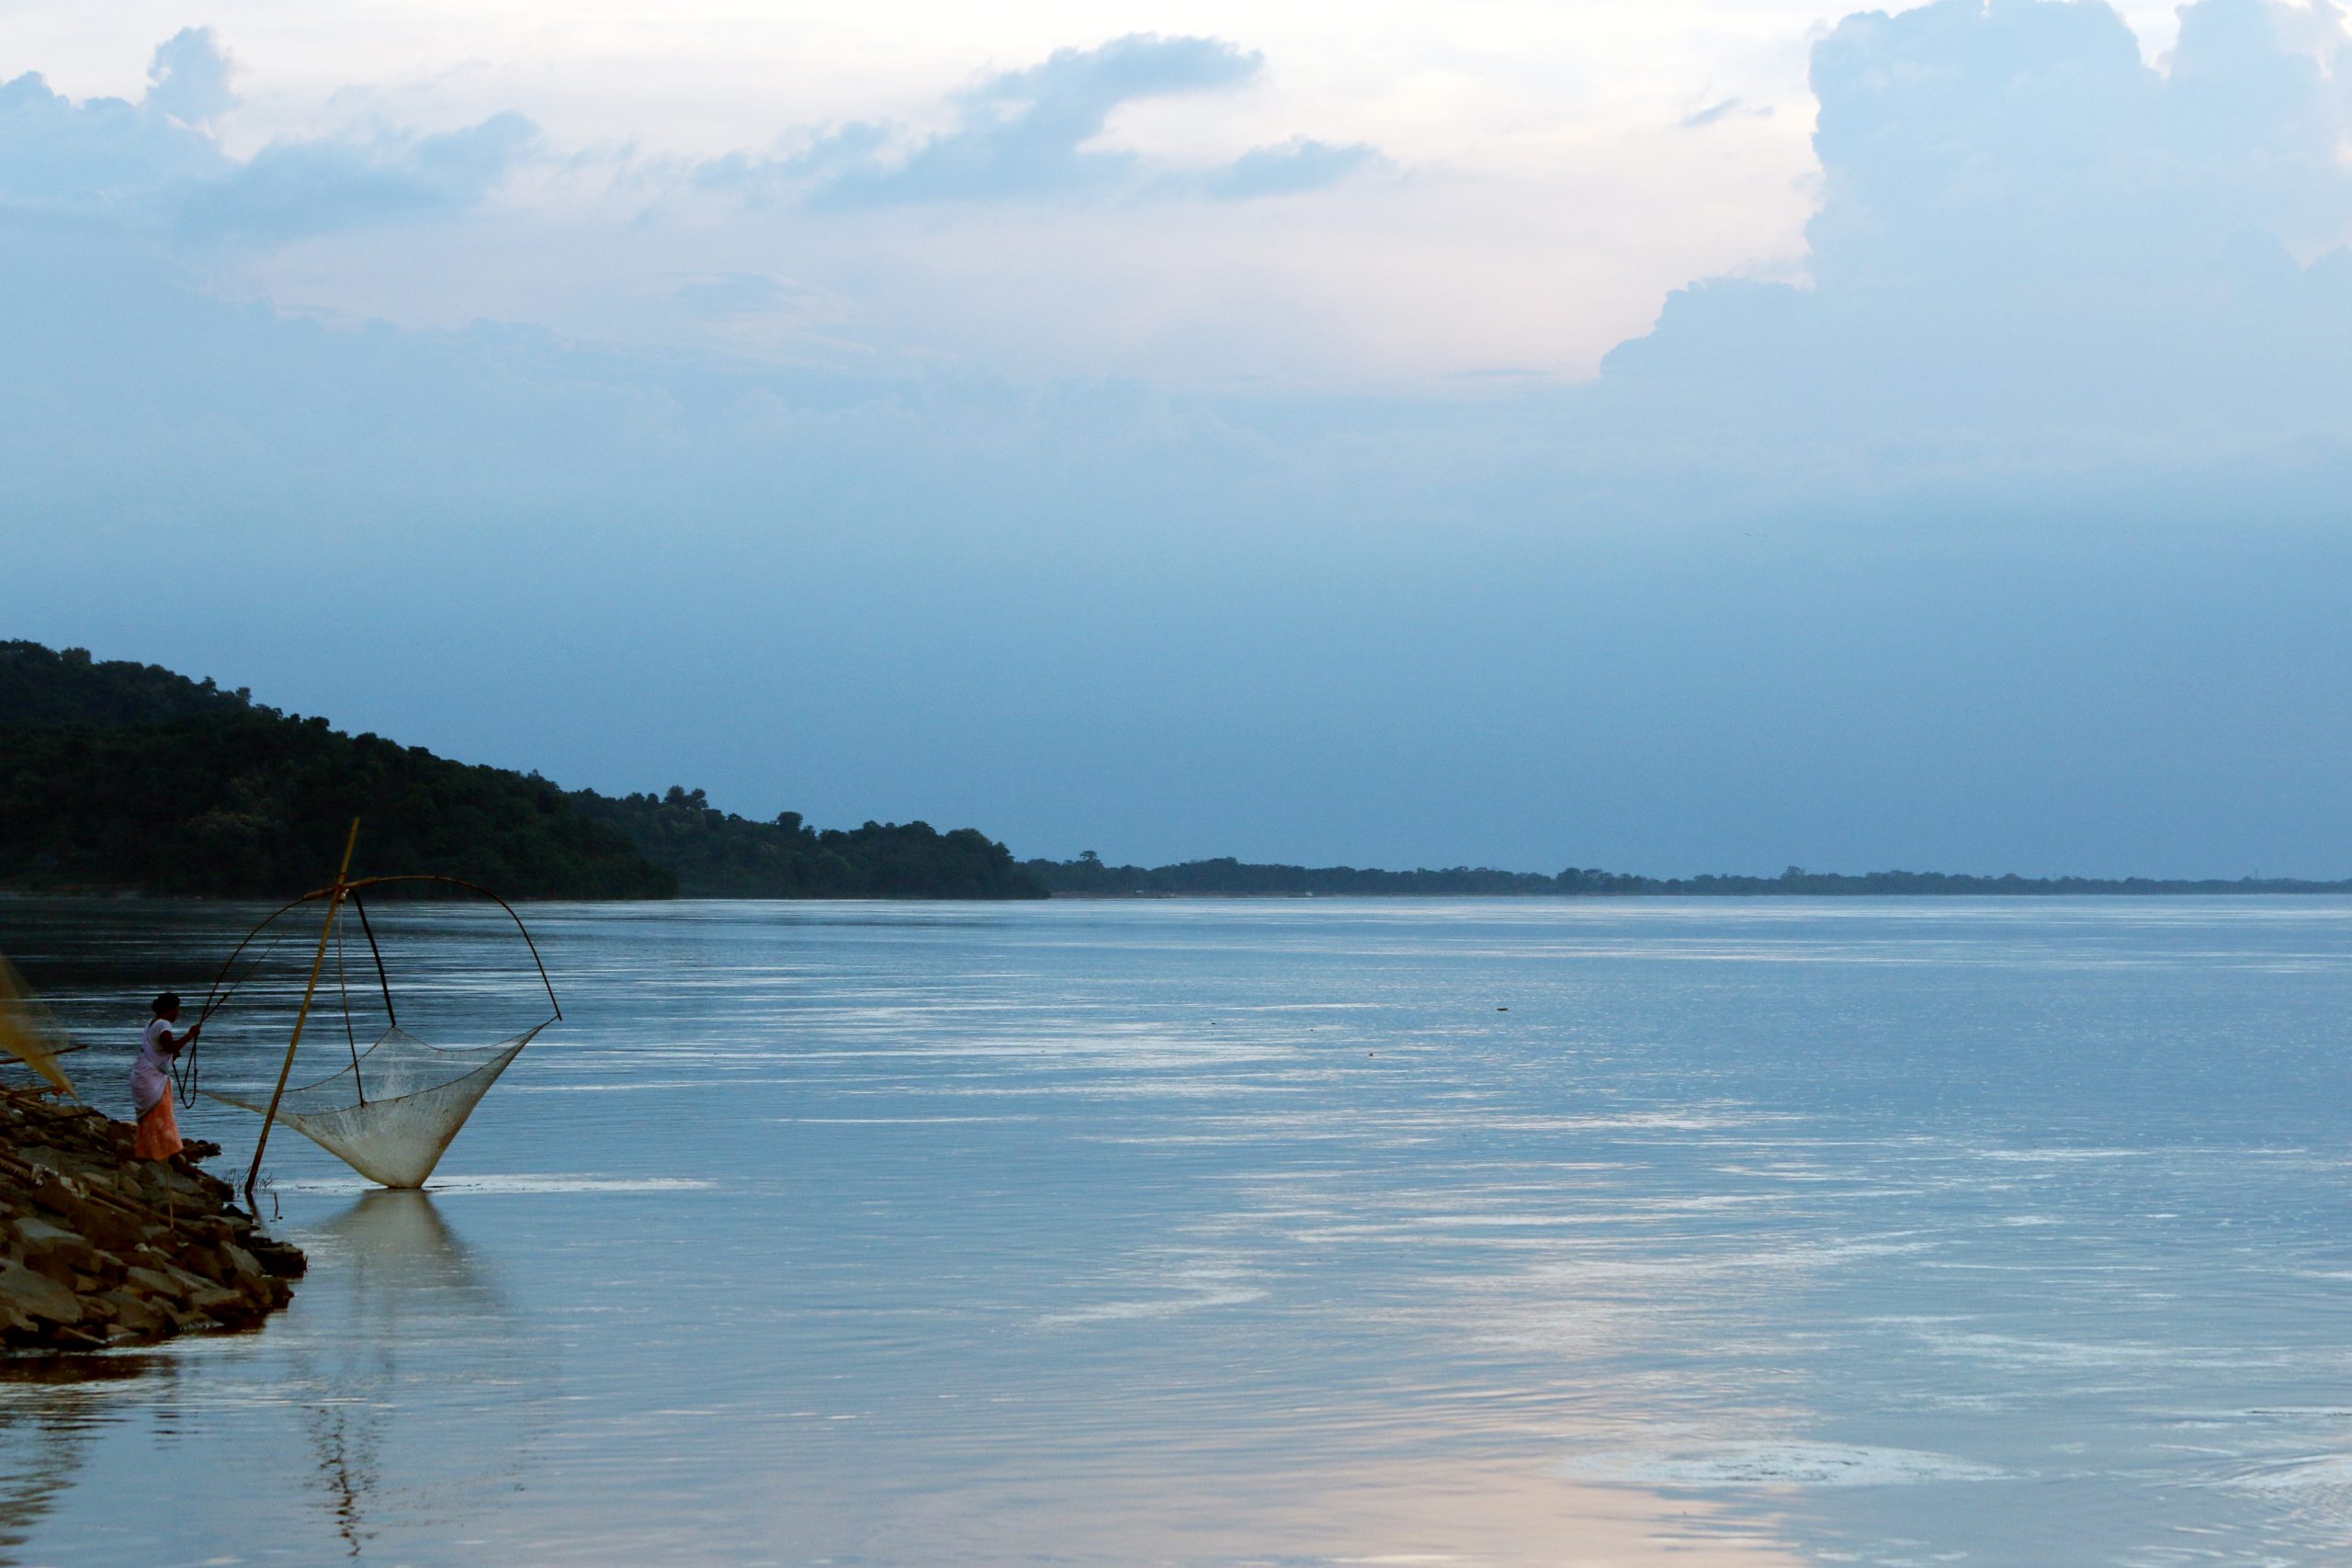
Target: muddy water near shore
1206 1232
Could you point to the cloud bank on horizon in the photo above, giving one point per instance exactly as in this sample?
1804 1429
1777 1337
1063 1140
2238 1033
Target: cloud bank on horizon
1996 531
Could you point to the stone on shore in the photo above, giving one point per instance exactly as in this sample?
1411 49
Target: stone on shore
98 1247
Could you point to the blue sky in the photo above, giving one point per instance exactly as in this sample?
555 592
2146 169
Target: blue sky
1688 437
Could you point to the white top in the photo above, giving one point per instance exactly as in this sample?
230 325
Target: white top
151 1076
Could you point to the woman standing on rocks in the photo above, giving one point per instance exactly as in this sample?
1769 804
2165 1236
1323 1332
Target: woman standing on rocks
151 1082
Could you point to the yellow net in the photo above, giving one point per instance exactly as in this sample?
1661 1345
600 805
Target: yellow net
28 1032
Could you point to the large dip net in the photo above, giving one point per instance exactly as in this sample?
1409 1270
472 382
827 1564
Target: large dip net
395 1101
392 1113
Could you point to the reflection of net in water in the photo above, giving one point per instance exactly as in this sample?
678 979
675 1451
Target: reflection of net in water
391 1113
420 1392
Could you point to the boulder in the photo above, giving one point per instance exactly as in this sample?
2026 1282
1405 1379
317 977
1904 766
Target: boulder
49 1248
25 1293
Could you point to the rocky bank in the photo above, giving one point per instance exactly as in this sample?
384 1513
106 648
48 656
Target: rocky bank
98 1248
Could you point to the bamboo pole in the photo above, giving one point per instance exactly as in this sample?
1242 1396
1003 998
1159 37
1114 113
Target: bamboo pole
334 906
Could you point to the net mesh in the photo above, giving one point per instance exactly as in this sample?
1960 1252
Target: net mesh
392 1114
27 1033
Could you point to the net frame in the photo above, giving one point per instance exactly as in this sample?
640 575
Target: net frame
344 1129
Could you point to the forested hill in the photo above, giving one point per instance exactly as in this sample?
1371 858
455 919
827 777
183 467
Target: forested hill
715 854
123 776
1088 877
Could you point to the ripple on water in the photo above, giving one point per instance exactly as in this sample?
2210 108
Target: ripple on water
1780 1464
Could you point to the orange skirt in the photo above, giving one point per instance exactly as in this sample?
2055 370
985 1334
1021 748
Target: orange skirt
159 1132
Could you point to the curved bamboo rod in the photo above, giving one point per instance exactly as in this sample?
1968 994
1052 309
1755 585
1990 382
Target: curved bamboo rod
353 888
537 961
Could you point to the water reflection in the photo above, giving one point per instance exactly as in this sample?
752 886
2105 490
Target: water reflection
405 1260
403 1319
51 1409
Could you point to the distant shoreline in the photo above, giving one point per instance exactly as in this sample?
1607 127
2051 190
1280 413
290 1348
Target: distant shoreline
1825 885
2216 890
1226 878
2315 891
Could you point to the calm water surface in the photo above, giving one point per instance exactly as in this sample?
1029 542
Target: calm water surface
1848 1231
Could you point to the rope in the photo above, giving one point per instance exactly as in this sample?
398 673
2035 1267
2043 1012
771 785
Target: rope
383 980
216 999
350 1035
186 1073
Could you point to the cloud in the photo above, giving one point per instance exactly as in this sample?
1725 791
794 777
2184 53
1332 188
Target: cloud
1718 112
106 154
189 79
1026 132
1030 135
1295 167
2034 246
158 164
296 187
836 153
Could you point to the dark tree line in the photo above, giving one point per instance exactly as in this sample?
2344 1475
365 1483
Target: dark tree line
123 776
717 854
1088 876
1227 875
255 804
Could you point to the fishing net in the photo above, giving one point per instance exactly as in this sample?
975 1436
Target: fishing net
391 1113
28 1032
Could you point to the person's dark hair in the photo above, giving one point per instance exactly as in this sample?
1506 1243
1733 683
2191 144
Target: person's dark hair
167 1002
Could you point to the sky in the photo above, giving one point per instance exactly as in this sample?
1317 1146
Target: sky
1679 436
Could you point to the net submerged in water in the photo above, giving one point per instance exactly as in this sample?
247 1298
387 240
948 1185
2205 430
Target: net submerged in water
393 1110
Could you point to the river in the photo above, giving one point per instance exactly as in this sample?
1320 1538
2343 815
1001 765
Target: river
1633 1232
